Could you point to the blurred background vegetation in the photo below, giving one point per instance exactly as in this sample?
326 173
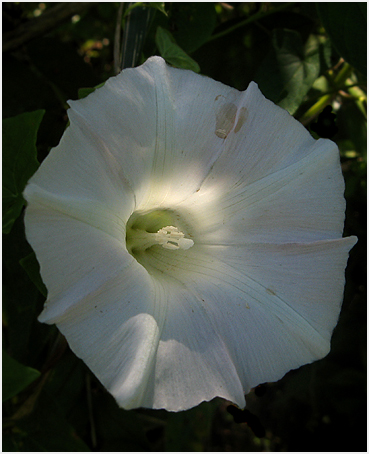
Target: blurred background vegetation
310 58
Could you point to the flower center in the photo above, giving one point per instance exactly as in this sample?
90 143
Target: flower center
155 228
171 238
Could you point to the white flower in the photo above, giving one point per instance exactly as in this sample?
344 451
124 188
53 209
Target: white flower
189 236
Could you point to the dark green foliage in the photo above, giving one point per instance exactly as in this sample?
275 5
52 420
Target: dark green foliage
346 24
16 377
192 24
19 162
289 70
51 400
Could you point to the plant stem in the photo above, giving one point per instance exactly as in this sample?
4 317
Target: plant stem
344 74
316 108
326 99
255 17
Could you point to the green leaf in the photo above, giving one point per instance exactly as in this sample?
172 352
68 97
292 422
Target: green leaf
172 53
16 377
290 68
22 302
193 23
83 92
19 161
190 430
346 24
67 383
46 429
118 430
32 268
160 6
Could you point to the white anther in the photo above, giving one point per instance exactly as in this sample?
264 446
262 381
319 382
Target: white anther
171 238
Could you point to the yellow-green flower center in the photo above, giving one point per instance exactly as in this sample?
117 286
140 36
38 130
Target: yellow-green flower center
156 228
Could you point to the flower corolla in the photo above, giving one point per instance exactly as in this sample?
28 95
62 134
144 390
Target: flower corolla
190 238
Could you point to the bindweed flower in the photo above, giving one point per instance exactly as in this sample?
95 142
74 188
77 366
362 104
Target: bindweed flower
190 238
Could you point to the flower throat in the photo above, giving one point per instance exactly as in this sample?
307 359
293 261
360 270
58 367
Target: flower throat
153 228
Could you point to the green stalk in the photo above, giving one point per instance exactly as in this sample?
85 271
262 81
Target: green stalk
316 108
249 20
344 74
326 99
360 98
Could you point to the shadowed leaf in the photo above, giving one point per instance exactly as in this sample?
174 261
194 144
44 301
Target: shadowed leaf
290 69
16 377
172 53
19 161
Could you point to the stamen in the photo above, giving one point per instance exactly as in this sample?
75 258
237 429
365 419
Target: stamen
171 238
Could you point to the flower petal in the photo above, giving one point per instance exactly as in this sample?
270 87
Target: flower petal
265 139
120 118
193 363
284 206
281 304
75 258
100 298
186 143
265 308
116 330
166 133
81 179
